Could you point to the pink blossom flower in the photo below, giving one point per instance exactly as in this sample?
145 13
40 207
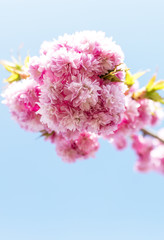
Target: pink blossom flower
83 147
157 156
127 125
137 115
150 154
73 96
22 99
143 147
37 68
82 105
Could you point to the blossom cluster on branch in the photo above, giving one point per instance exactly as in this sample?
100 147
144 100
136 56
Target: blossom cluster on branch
78 90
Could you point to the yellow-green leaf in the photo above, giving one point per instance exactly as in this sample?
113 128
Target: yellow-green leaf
111 75
138 75
12 78
6 63
45 134
155 97
129 79
26 61
149 86
159 85
9 68
18 67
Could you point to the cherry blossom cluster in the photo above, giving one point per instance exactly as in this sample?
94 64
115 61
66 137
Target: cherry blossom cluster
78 90
137 115
73 96
150 153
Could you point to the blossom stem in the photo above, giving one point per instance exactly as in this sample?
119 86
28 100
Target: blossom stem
152 134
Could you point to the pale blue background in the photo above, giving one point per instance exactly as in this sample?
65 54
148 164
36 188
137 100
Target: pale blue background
42 198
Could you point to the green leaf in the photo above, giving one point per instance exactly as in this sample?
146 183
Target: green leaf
149 86
112 78
130 79
138 75
6 63
10 67
45 134
154 96
111 75
26 61
159 85
18 67
12 78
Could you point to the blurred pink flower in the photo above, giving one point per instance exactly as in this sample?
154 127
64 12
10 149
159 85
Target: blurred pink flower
22 99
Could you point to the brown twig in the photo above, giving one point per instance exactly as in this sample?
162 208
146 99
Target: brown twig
152 134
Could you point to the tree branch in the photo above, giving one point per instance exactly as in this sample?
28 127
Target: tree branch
152 134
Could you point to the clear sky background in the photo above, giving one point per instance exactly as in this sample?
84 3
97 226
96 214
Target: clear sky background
43 198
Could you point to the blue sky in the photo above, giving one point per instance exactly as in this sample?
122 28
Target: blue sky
103 198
